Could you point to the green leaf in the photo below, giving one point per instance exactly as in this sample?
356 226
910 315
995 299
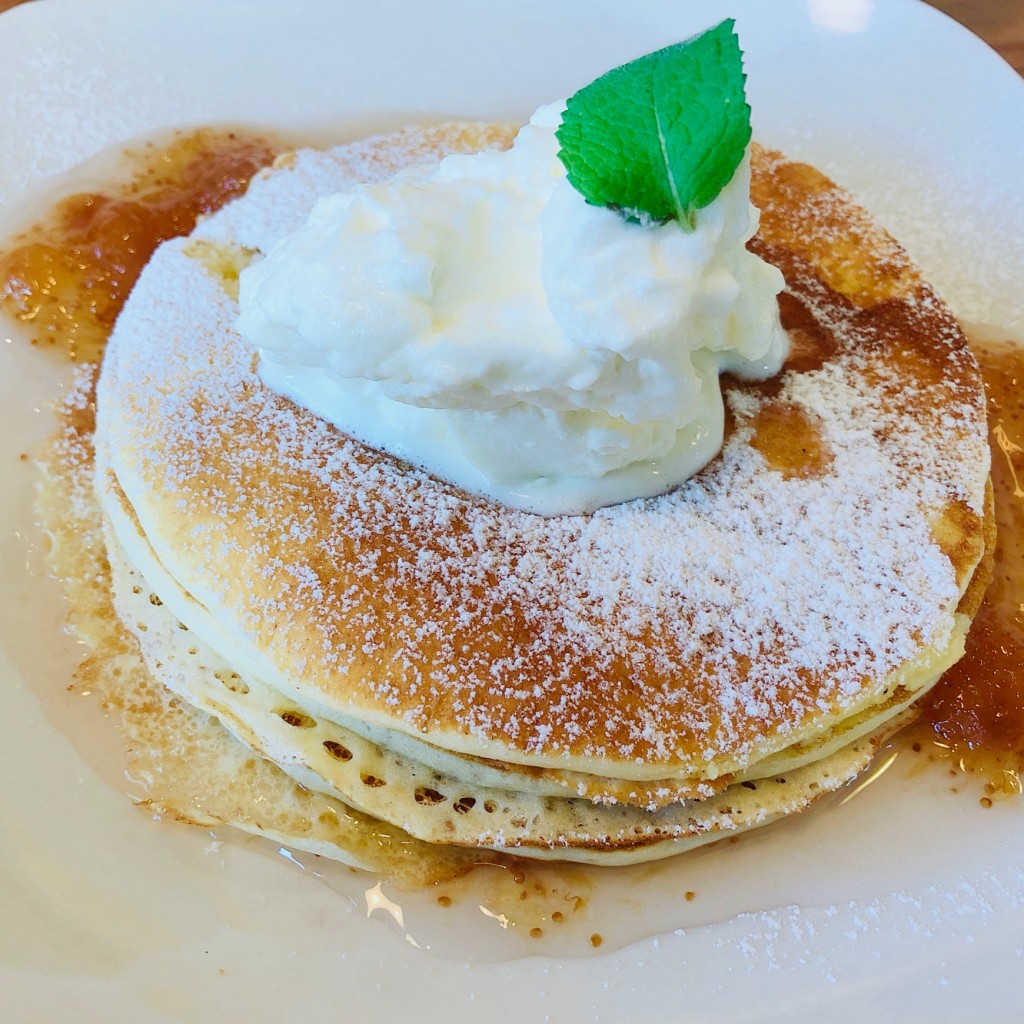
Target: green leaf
660 137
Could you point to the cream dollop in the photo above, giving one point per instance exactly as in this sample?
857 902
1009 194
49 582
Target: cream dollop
479 319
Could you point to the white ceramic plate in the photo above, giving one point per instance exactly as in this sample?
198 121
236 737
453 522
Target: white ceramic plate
905 902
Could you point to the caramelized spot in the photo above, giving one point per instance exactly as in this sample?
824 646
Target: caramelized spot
958 533
810 346
806 212
337 751
232 680
430 797
915 350
297 719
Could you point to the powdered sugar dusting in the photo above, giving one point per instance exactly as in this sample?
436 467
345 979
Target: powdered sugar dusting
701 628
831 941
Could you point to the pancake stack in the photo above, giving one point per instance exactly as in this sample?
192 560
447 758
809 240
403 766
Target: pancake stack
604 688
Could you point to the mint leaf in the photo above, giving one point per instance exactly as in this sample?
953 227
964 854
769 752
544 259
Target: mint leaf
657 139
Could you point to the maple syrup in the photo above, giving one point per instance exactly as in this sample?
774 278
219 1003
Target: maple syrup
67 277
975 715
790 440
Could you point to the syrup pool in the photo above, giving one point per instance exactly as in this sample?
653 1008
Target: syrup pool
889 832
974 718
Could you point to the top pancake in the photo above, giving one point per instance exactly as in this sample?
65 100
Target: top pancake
813 568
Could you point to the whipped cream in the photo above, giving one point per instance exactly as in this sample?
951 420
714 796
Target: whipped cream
479 319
